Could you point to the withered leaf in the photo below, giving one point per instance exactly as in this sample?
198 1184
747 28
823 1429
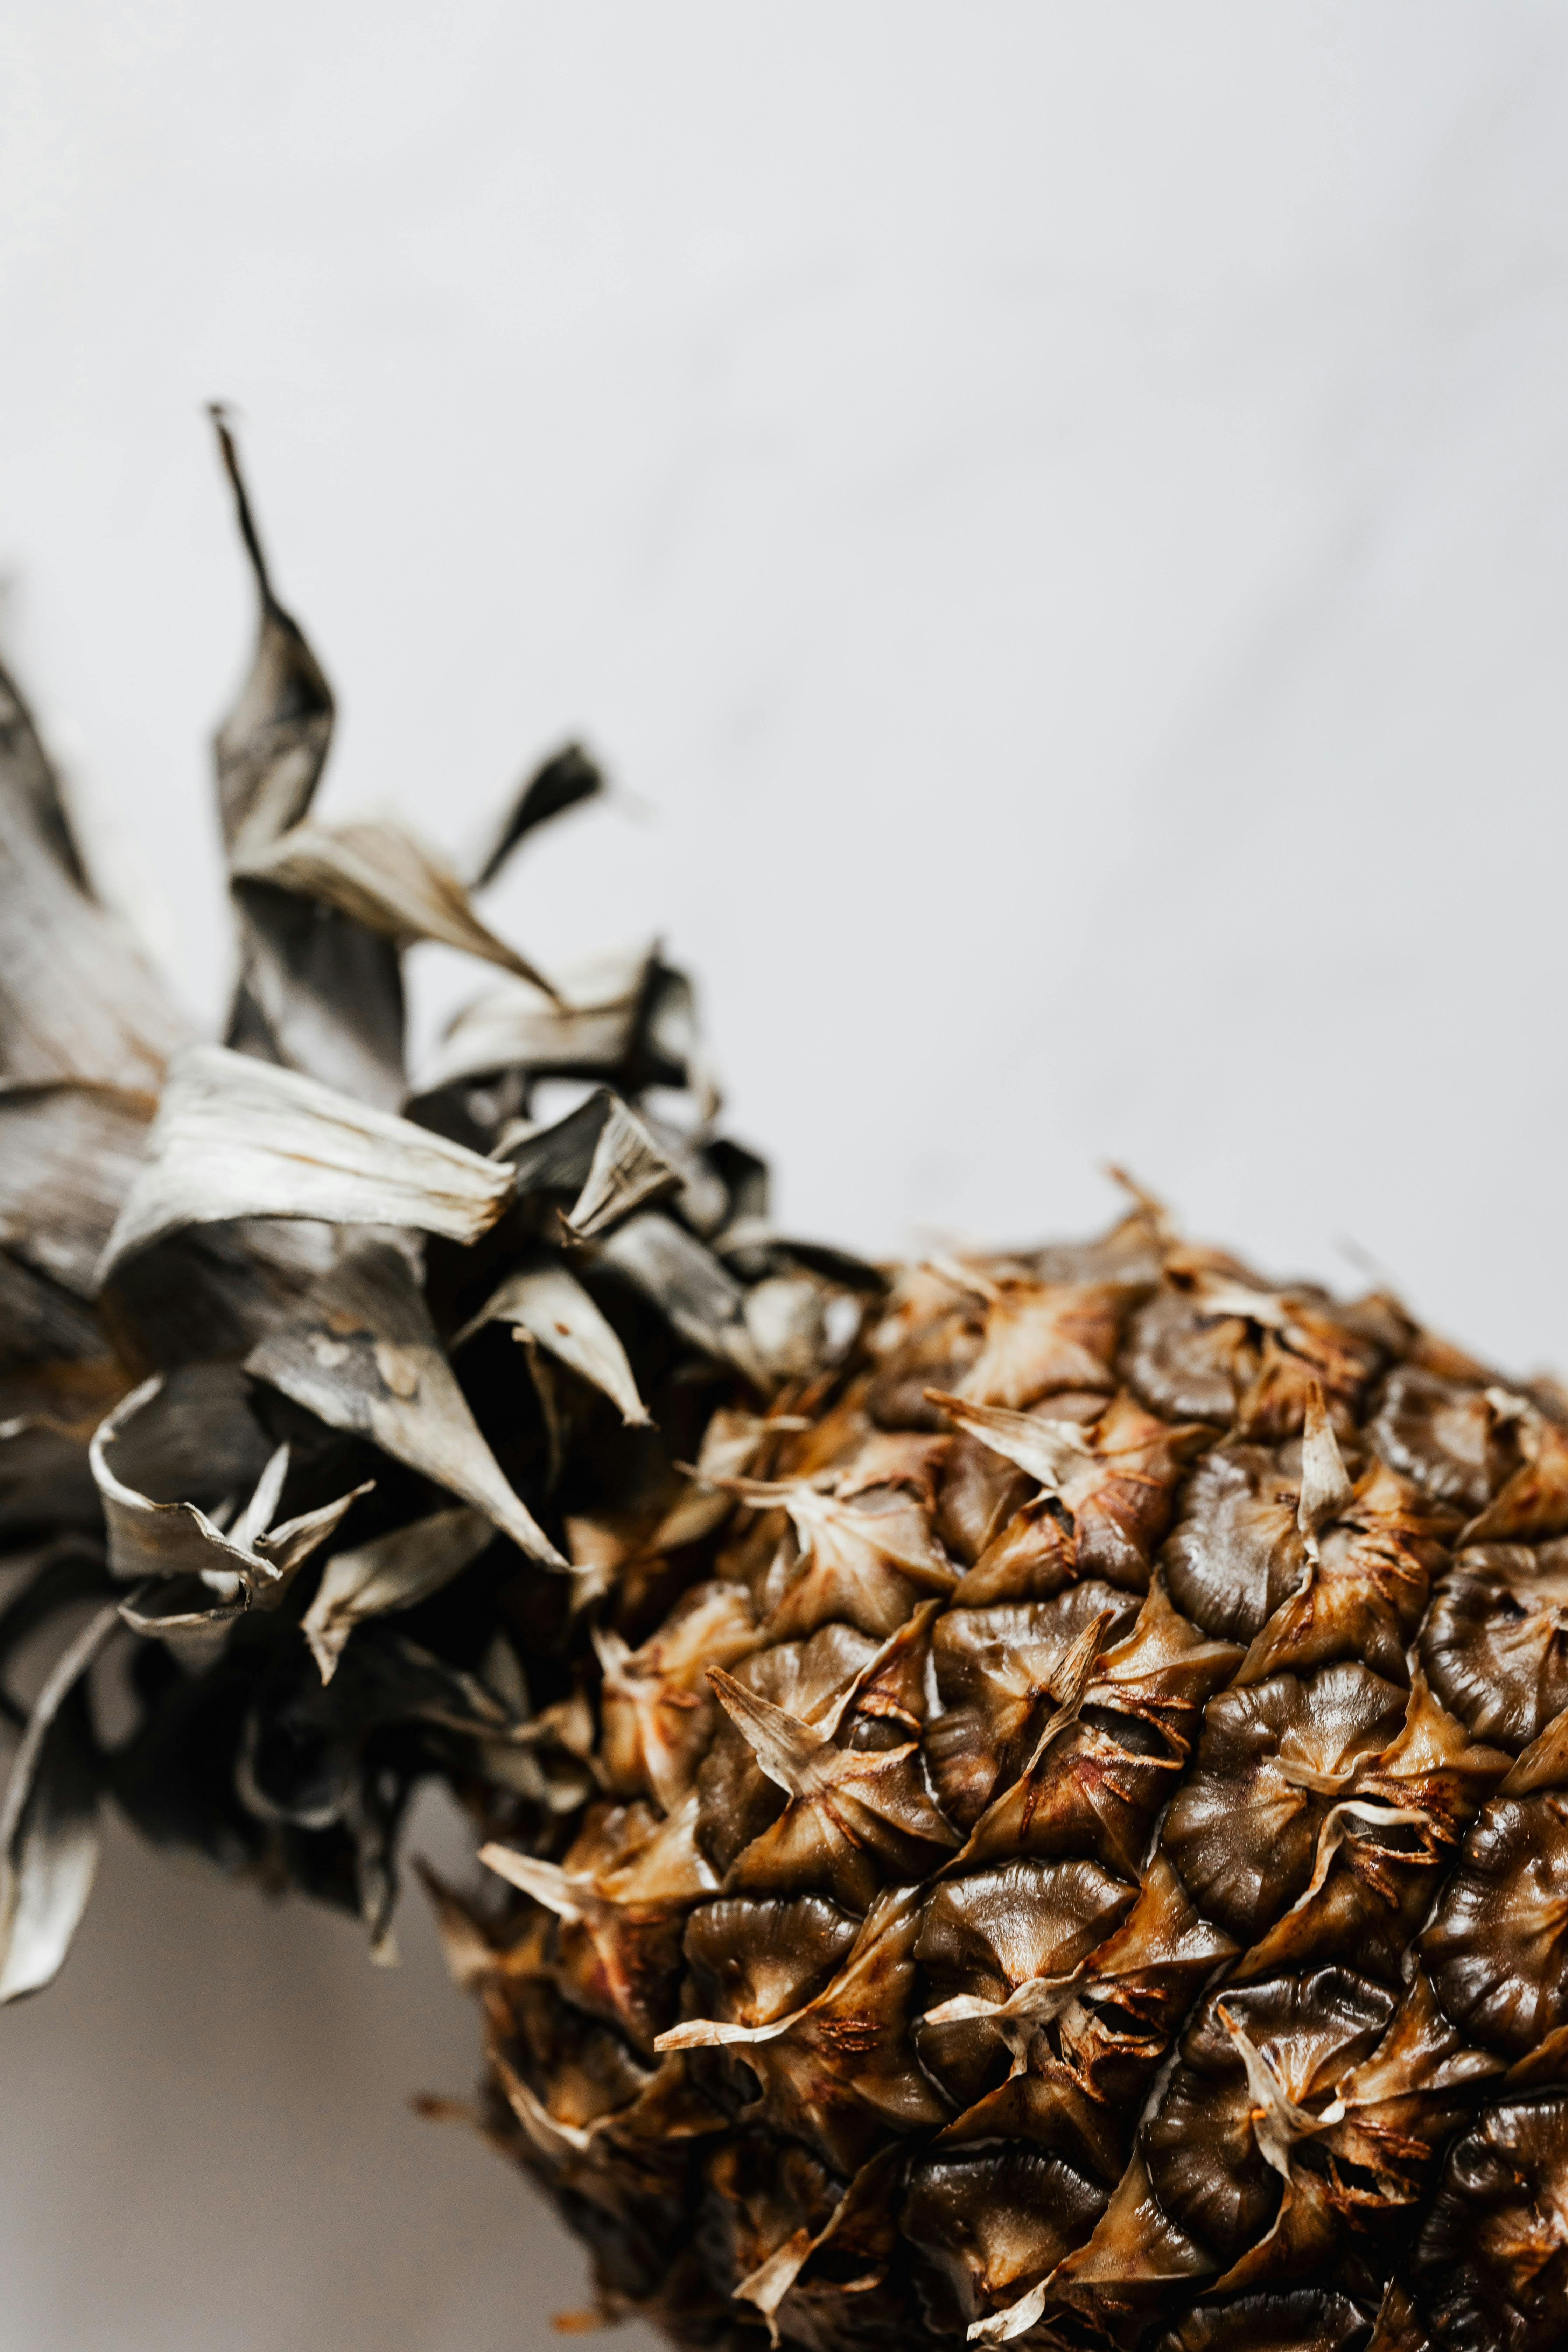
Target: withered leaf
317 991
321 994
78 1003
567 778
49 1824
603 1152
391 1572
178 1539
69 1156
376 871
272 745
688 1285
362 1355
592 1031
543 1299
238 1137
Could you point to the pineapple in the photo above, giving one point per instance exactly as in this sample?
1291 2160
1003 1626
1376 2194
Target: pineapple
1022 1798
1112 1888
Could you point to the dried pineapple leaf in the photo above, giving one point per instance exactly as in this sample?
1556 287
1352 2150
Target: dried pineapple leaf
49 1825
391 1572
546 1303
68 1569
272 745
567 778
469 1956
69 1156
77 1001
30 787
321 994
41 1322
627 1171
603 1152
362 1354
380 875
592 1031
237 1137
178 1539
685 1282
317 991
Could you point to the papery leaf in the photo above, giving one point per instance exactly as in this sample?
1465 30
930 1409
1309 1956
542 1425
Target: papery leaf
380 875
685 1282
69 1156
563 780
318 992
78 1001
321 994
592 1033
42 1323
543 1299
271 747
362 1355
49 1825
178 1539
391 1572
603 1152
239 1137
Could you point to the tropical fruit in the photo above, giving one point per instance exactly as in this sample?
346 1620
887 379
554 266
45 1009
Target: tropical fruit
1023 1797
1084 1858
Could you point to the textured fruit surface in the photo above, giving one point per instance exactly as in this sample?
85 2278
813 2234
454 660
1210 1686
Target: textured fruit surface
1083 1856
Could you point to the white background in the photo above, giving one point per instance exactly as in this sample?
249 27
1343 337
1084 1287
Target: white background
1057 517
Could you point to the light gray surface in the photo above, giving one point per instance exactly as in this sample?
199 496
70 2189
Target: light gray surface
210 2146
1058 517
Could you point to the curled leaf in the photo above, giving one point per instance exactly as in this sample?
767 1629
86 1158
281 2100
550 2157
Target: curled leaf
49 1825
568 777
178 1539
380 875
603 1152
592 1031
393 1572
362 1354
545 1303
238 1137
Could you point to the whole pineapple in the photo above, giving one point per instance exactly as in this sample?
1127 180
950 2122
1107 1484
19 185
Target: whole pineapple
1025 1797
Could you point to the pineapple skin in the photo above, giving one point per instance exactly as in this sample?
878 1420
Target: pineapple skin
1083 1856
